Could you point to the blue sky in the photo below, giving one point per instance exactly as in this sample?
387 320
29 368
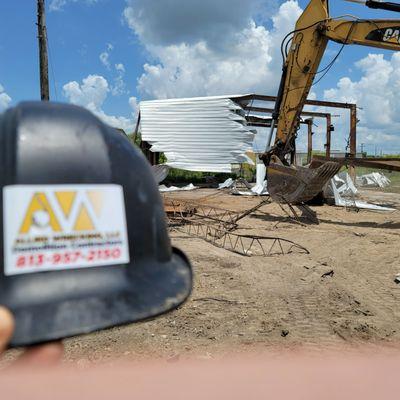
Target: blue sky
81 30
78 34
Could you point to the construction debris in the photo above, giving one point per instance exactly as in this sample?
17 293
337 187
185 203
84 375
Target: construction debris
216 225
246 245
243 188
163 188
160 172
375 179
344 184
344 193
328 274
225 219
176 209
227 184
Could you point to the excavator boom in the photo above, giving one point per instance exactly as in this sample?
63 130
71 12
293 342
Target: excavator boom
305 51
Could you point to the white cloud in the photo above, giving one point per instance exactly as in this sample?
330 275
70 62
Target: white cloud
58 5
5 99
91 94
119 86
105 55
189 21
120 67
376 93
208 47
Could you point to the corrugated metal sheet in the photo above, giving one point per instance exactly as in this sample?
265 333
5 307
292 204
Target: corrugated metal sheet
197 134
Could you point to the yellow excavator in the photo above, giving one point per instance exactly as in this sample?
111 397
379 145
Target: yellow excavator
302 50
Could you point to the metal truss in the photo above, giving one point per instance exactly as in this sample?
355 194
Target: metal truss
178 209
246 245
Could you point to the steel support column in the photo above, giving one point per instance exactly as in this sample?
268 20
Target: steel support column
310 141
353 140
328 135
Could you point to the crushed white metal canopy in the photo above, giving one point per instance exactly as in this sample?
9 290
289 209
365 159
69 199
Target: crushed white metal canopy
375 179
206 134
343 190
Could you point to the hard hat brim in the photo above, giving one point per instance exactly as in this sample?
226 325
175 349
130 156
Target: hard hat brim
48 306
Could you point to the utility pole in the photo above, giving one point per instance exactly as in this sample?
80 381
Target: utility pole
43 58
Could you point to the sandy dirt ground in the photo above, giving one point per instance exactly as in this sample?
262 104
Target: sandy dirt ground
342 293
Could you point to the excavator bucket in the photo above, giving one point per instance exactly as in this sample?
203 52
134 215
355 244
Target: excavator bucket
295 185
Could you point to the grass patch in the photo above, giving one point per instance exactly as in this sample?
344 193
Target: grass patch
179 176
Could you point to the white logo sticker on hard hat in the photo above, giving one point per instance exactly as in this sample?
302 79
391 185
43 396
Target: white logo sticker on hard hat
54 227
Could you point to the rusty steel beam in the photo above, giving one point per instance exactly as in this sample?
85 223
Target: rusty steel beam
271 110
253 120
261 97
330 104
389 164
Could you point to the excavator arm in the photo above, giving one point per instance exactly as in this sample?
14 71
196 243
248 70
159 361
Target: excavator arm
383 34
312 33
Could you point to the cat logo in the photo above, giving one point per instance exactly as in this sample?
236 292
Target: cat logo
386 35
62 211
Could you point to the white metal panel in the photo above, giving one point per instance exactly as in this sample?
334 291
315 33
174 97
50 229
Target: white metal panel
197 134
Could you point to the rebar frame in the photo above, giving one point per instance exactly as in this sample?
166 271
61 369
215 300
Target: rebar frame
246 245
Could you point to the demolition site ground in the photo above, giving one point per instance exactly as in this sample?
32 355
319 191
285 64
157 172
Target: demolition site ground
342 293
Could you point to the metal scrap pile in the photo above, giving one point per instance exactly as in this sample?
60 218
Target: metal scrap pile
344 192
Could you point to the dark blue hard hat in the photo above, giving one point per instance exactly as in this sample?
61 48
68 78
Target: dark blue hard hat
84 237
